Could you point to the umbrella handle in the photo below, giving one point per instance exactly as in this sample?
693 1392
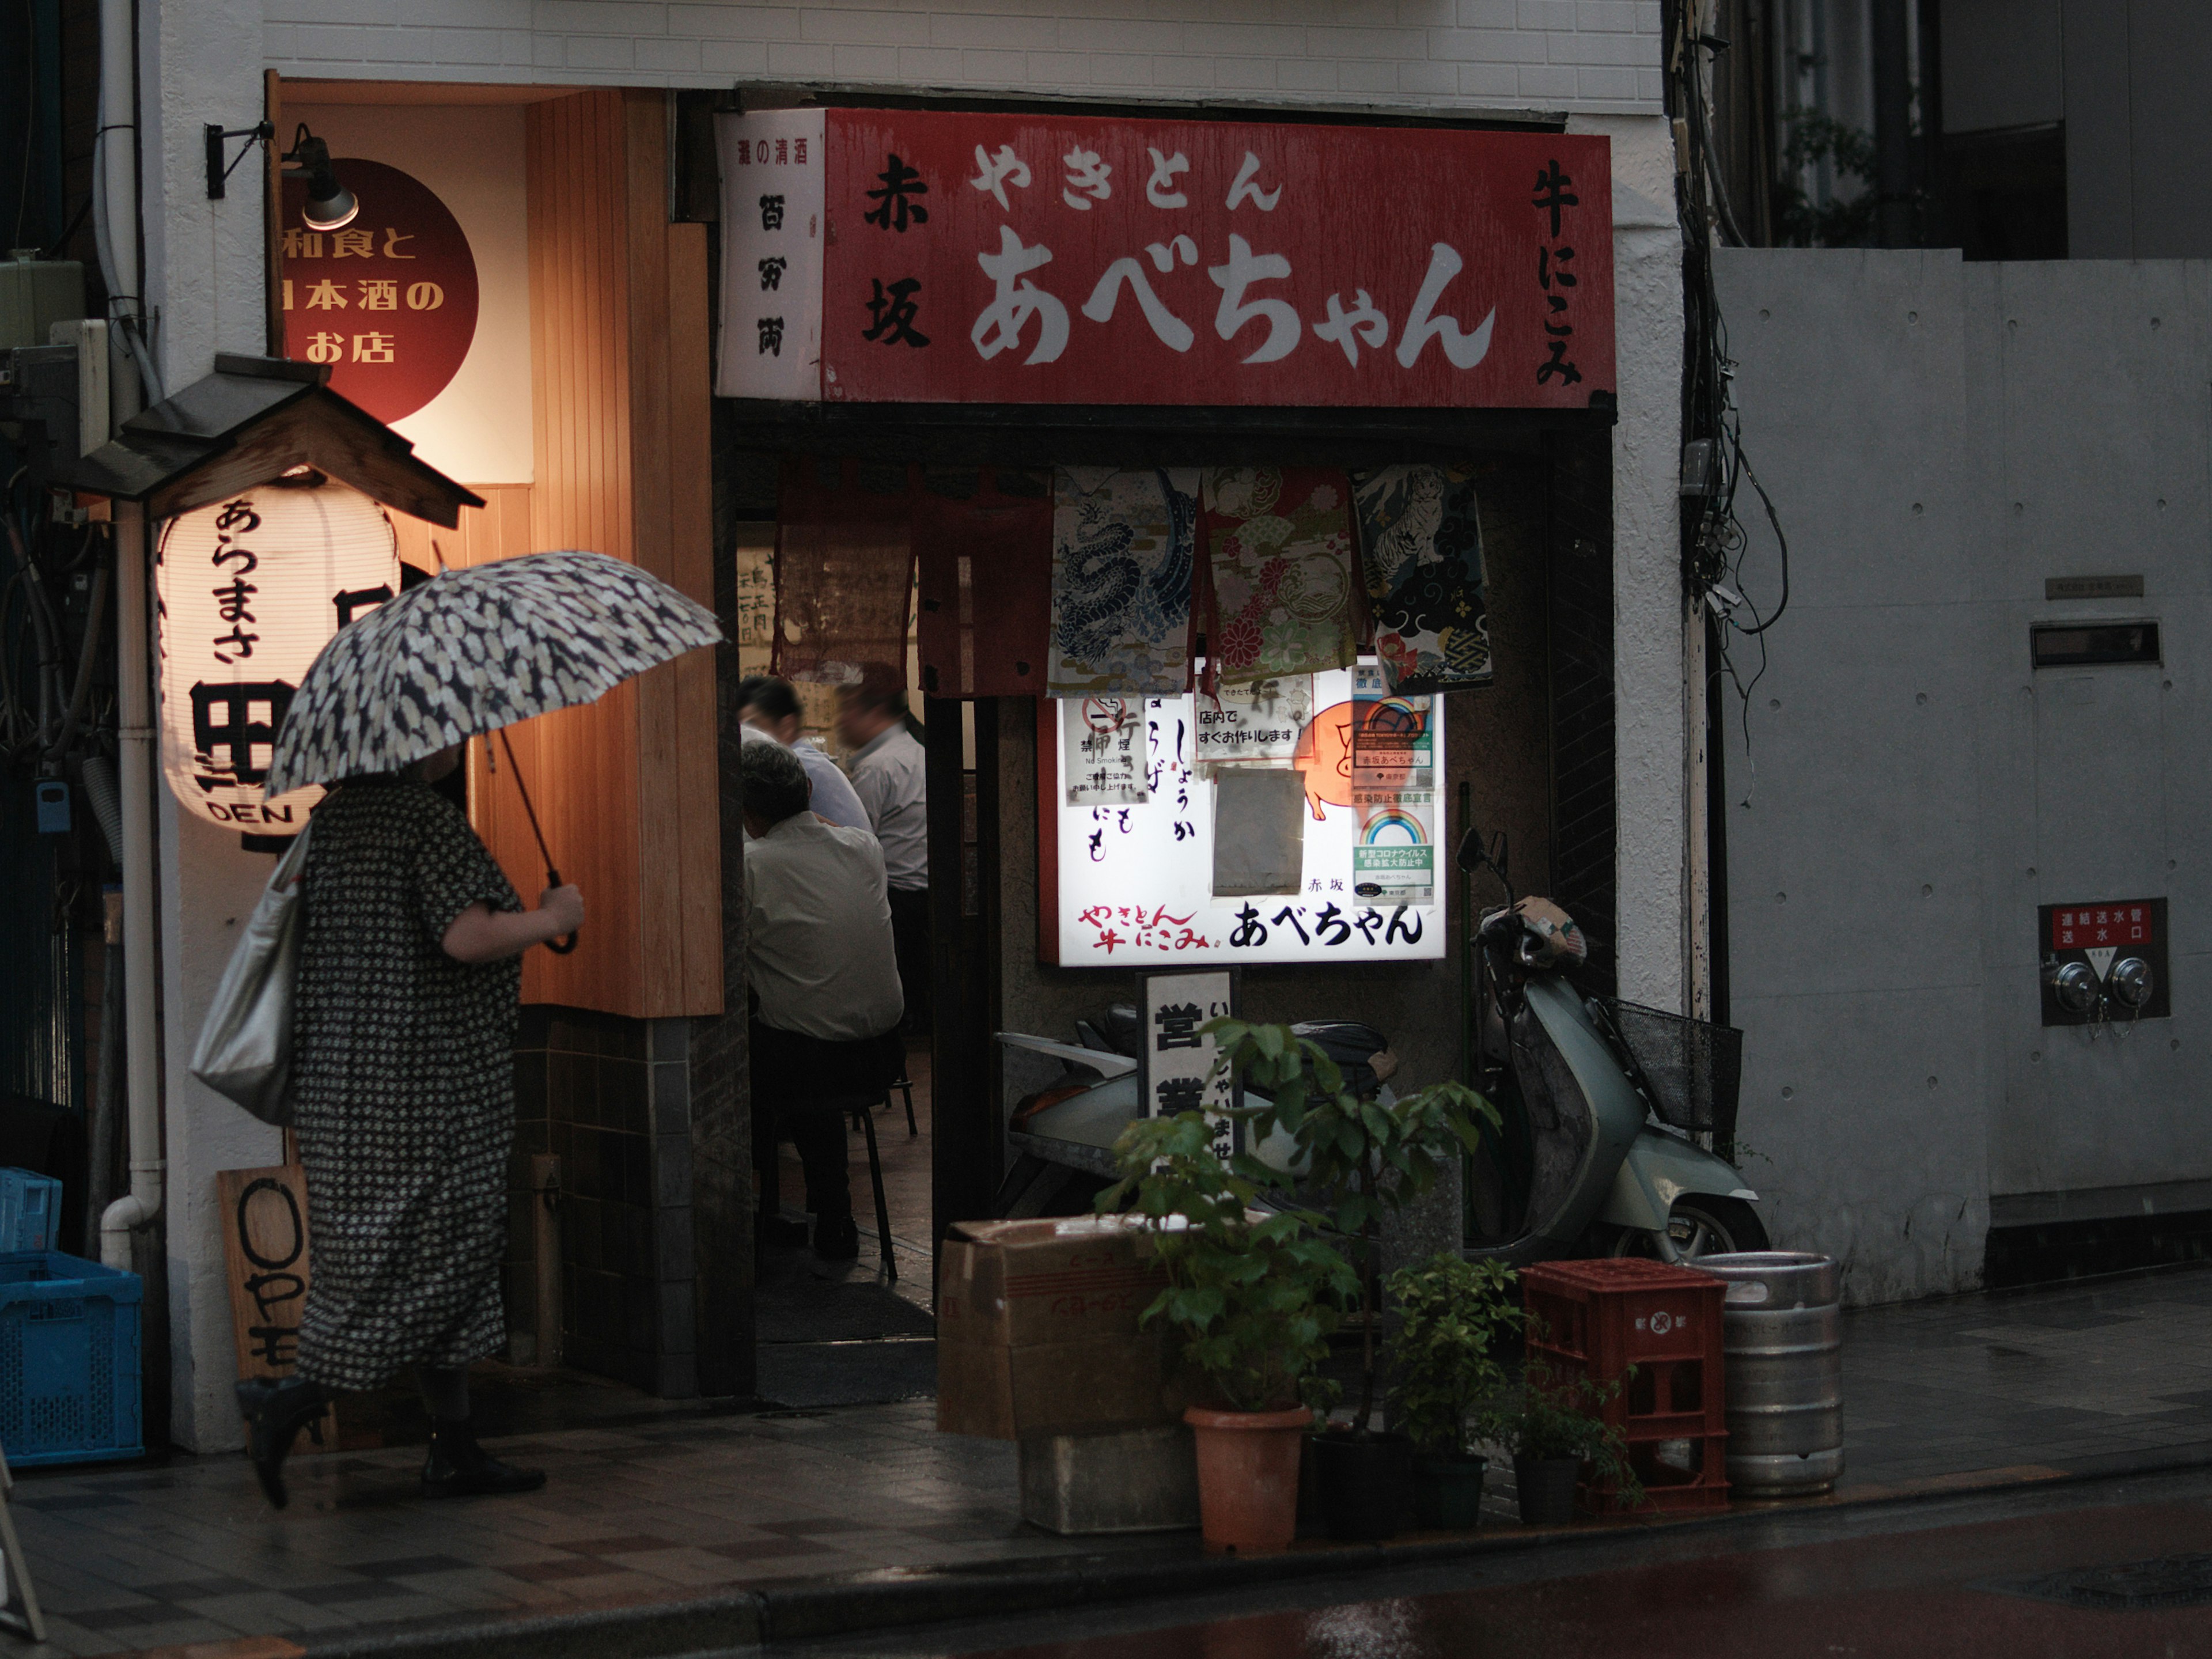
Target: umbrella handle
559 947
562 947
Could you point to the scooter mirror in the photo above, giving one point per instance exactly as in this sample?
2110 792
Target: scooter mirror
1472 854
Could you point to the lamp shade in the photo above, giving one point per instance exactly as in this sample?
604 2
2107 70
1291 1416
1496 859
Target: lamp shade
252 589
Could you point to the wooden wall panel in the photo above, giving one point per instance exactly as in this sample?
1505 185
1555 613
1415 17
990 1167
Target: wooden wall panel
581 763
619 364
690 466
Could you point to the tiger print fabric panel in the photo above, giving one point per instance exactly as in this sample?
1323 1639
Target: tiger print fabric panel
1280 556
1122 546
1421 537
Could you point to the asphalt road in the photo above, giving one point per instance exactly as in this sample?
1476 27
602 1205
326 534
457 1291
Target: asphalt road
1962 1578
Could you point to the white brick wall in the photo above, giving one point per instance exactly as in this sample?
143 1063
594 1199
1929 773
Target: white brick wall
1586 56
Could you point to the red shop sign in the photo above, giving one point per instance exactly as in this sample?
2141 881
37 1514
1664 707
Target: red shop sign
388 301
1026 258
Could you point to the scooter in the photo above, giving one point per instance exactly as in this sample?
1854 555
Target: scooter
1599 1100
1062 1135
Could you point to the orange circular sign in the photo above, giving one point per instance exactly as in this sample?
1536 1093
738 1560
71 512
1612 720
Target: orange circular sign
388 301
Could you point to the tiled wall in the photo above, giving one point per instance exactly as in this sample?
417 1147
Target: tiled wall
611 1098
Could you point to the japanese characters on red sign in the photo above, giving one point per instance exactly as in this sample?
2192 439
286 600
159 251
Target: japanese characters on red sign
388 301
2084 927
1019 259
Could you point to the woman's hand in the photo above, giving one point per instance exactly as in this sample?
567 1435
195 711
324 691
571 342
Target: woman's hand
563 906
481 933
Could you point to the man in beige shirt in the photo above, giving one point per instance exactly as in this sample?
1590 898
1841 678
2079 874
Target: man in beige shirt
824 983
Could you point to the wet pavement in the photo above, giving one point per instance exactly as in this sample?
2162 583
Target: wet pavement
1970 1578
656 1504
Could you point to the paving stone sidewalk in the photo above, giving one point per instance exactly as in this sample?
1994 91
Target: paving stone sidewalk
650 1502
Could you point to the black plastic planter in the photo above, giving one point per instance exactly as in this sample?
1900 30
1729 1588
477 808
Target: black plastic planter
1365 1486
1546 1486
1447 1493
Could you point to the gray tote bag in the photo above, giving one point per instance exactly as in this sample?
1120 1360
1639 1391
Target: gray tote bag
245 1049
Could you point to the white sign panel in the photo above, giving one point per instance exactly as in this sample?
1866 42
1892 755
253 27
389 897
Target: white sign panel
1105 750
1146 884
773 164
1175 1069
1259 721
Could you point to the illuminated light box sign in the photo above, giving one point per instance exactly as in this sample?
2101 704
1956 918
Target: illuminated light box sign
941 255
1309 845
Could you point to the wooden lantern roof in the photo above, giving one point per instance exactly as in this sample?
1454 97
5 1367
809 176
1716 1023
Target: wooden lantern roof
252 420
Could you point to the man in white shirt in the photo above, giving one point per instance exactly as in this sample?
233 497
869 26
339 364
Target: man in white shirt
825 984
889 777
768 706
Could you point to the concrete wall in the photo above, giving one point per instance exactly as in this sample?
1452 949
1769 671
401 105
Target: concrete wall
1592 55
1940 438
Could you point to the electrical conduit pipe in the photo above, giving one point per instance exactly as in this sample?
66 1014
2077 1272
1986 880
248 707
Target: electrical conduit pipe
135 706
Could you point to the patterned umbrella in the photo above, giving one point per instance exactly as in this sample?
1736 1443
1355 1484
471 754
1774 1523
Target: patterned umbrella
473 650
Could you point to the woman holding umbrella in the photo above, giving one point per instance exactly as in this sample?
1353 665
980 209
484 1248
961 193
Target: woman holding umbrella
409 978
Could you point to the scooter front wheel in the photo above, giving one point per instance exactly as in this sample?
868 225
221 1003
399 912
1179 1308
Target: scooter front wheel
1699 1225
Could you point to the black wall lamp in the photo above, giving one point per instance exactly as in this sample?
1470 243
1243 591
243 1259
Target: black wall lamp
330 205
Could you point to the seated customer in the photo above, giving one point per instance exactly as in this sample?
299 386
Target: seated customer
825 985
770 706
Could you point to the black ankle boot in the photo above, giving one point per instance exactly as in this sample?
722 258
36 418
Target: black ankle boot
459 1467
275 1413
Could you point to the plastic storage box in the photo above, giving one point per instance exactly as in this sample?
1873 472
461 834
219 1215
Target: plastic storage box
30 1210
69 1360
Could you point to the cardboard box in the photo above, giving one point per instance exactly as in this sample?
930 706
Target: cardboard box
1054 1387
1017 1284
1038 1333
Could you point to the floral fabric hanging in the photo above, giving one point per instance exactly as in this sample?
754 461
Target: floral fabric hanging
1420 540
1278 543
1122 561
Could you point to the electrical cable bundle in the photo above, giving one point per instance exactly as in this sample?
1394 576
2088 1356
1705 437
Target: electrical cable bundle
51 708
1714 462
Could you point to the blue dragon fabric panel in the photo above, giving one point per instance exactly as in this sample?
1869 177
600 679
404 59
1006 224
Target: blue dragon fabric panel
1420 538
1122 543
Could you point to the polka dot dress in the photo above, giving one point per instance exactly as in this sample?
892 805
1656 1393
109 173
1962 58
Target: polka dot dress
403 1089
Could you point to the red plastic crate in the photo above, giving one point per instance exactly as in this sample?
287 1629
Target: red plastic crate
1595 1319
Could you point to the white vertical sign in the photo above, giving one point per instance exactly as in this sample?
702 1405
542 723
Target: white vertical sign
773 165
1176 1070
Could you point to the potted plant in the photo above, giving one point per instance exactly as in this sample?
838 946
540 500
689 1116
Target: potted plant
1451 1313
1361 1159
1552 1426
1251 1298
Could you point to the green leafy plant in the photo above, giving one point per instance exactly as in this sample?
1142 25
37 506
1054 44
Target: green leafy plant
1849 153
1551 1416
1363 1159
1252 1298
1452 1313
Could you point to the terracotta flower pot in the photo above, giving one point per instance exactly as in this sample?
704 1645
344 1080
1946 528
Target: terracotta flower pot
1247 1477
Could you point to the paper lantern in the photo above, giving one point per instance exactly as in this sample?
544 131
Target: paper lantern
252 589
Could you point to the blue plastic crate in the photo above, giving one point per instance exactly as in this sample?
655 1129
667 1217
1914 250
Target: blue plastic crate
30 1210
69 1360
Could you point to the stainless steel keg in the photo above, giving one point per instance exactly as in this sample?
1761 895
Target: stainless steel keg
1783 1331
